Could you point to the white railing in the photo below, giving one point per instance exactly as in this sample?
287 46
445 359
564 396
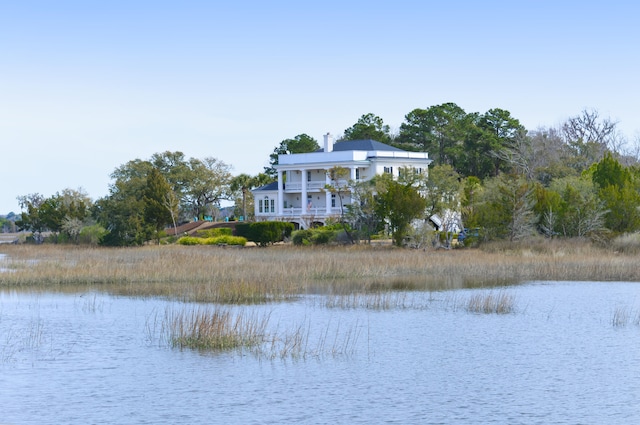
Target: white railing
297 212
311 186
297 186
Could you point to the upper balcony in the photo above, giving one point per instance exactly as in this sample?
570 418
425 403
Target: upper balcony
312 186
315 158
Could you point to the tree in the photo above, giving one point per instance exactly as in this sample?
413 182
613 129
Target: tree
549 156
589 138
340 186
399 204
442 191
361 212
243 183
506 208
156 193
619 192
437 130
578 211
121 213
208 184
302 143
30 219
55 213
500 131
368 126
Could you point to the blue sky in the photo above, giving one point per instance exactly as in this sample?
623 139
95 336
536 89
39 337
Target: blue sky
86 86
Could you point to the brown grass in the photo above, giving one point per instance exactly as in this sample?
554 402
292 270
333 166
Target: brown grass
498 303
213 329
253 275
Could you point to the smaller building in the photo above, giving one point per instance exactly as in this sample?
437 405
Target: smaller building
299 196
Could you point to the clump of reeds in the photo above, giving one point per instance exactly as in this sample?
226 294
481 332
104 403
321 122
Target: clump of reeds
621 316
214 329
382 300
491 302
219 329
296 343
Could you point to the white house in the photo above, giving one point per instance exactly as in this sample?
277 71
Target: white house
299 196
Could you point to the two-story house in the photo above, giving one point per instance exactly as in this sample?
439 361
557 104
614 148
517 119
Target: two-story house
299 196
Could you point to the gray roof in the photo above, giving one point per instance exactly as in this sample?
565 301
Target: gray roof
270 186
362 145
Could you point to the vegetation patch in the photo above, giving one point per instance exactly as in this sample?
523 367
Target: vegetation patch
491 303
216 240
214 329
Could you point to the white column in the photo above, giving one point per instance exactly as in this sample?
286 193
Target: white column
303 195
353 173
280 193
327 182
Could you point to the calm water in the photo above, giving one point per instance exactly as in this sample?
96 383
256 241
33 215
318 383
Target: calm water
93 358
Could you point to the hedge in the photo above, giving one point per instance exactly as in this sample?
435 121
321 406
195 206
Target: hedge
265 233
219 240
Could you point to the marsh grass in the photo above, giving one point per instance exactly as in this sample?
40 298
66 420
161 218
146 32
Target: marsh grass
387 300
217 329
491 303
624 315
252 275
221 329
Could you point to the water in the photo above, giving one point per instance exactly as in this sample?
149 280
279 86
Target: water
95 358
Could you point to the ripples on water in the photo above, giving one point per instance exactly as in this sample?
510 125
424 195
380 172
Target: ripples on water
94 358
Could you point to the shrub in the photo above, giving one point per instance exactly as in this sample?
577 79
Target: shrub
302 237
189 240
225 240
319 236
220 240
215 232
265 233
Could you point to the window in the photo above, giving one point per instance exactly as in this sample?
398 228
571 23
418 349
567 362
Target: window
273 205
388 170
357 174
308 176
266 205
333 200
260 205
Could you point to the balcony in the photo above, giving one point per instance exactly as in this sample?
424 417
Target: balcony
312 186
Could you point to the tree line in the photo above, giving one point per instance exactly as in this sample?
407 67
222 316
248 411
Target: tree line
577 179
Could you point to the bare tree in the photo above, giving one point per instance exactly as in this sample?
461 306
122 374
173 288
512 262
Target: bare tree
590 137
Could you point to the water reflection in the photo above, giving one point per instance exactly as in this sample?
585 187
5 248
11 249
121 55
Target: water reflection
559 357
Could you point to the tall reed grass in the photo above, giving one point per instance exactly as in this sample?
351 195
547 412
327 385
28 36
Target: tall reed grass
491 302
214 329
252 275
219 329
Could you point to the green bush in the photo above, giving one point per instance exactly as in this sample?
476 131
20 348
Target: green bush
319 236
225 240
219 240
265 233
302 237
189 240
215 232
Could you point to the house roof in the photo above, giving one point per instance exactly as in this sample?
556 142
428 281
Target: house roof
270 186
362 145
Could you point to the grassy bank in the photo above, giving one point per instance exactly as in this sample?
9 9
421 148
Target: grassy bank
252 275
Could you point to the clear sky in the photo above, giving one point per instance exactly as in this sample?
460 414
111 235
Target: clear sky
86 86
